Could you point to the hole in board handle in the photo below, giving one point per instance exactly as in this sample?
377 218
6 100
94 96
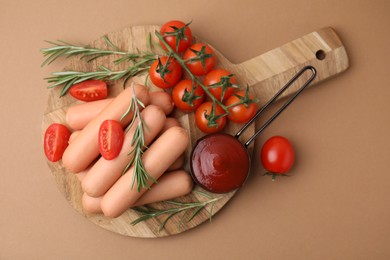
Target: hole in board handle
320 55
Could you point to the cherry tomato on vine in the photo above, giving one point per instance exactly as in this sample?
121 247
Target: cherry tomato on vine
187 95
177 34
55 141
203 116
221 83
241 113
200 59
277 155
89 90
164 72
111 136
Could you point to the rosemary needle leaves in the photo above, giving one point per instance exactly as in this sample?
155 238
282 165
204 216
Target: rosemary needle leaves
87 53
189 210
68 78
140 175
138 62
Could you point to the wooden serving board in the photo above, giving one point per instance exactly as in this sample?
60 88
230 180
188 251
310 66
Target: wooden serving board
265 74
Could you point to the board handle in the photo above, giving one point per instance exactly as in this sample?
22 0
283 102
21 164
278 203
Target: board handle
322 49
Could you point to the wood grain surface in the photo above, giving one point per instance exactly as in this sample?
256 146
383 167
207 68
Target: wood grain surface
264 74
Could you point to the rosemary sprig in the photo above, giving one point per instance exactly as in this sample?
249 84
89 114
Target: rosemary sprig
192 208
140 175
139 62
68 78
64 49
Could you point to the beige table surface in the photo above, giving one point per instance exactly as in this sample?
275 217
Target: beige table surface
337 204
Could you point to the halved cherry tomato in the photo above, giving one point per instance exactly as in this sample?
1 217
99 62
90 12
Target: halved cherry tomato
240 113
277 155
202 118
55 141
164 72
187 95
89 90
111 136
177 34
221 83
200 59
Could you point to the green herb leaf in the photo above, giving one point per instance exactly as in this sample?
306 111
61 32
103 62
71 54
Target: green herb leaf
147 212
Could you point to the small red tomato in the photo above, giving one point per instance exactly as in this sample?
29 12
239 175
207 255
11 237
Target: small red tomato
202 122
240 113
200 59
221 83
111 136
165 73
89 90
177 34
187 95
277 155
55 141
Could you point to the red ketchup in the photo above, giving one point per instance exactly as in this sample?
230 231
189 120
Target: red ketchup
219 163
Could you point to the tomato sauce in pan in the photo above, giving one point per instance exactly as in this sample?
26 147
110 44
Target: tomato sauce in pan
219 163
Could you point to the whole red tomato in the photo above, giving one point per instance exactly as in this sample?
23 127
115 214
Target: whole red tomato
277 155
111 136
165 72
240 113
221 83
177 35
187 95
55 141
89 90
200 59
202 118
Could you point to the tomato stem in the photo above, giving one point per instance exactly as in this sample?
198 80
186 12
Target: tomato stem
245 100
195 79
201 56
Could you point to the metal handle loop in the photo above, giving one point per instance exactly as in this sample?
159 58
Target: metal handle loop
277 113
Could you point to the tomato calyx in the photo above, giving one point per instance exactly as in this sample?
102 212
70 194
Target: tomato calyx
274 175
178 33
245 100
213 117
189 96
201 56
224 84
163 69
210 117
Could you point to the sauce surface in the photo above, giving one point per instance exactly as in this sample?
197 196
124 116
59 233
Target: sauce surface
219 163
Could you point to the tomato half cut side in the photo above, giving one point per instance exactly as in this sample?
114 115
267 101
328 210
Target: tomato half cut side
111 136
55 141
89 90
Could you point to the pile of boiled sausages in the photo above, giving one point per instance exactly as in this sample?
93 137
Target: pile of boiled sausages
106 189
